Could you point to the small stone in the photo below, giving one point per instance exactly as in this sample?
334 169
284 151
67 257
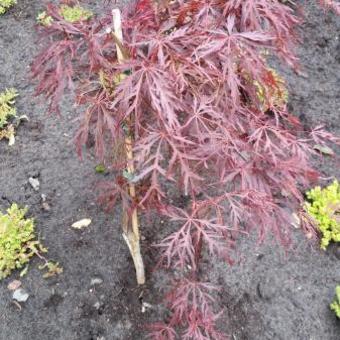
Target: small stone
267 288
259 256
97 305
20 295
43 197
46 206
81 223
96 281
15 284
34 182
309 236
337 252
146 306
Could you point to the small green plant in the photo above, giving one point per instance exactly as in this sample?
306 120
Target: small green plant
18 242
53 269
71 14
74 13
6 4
8 114
9 120
44 19
100 169
7 109
335 305
324 207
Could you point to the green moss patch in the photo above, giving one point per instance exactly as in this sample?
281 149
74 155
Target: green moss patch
5 5
75 13
8 114
7 109
18 241
324 207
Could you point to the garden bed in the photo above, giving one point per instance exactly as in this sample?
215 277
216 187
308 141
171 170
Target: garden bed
268 294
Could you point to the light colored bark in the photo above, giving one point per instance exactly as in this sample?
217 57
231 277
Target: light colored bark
131 235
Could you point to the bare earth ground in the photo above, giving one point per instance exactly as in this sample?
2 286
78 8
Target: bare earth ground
269 295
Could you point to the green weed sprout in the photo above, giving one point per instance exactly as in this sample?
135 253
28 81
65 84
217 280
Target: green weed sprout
44 19
17 240
324 207
335 305
100 169
53 269
6 4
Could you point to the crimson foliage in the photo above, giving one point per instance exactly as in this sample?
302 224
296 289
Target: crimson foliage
207 116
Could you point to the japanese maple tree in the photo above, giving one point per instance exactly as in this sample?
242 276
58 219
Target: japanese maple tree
185 101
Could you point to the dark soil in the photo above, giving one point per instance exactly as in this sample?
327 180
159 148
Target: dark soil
269 295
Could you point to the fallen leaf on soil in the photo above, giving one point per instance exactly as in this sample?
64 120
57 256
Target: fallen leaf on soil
23 117
11 140
96 281
15 284
81 223
296 222
324 149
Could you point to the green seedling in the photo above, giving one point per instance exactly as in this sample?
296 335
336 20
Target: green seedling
53 269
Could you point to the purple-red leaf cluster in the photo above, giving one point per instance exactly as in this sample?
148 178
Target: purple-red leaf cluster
207 116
